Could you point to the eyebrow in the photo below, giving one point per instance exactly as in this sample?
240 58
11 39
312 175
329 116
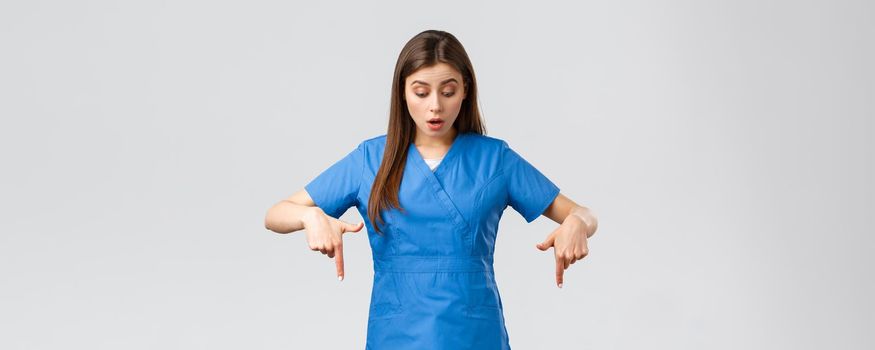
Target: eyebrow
442 83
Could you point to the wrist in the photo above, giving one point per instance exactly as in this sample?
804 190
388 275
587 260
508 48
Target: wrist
310 214
587 219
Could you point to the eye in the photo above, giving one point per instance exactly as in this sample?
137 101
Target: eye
449 94
421 94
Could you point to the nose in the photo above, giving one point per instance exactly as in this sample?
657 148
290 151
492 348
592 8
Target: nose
435 106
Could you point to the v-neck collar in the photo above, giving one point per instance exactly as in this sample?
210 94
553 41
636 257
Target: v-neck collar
451 152
415 160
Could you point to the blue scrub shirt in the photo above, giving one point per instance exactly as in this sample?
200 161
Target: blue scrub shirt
434 286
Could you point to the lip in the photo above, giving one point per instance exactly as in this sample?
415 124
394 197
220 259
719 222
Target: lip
435 126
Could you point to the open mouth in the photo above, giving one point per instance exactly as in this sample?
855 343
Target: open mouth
435 124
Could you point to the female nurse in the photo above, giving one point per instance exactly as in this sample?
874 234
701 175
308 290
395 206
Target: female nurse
433 189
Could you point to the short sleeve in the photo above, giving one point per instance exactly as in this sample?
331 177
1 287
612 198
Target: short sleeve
336 188
529 191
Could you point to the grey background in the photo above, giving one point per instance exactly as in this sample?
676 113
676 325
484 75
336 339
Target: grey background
726 146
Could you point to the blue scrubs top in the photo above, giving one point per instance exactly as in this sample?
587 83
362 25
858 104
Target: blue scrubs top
434 286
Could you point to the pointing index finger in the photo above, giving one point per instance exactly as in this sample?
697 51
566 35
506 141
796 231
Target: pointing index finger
560 270
338 259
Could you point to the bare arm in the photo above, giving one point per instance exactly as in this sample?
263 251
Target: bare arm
563 206
569 241
287 215
324 233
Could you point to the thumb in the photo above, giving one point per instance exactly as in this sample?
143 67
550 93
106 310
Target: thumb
353 227
546 244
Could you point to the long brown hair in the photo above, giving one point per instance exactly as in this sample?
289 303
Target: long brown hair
425 49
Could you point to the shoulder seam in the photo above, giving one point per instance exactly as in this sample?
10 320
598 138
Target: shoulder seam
504 150
374 138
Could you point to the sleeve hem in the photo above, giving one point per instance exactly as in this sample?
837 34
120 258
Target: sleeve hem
310 193
543 206
317 200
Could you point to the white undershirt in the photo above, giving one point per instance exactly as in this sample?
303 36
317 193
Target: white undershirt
433 163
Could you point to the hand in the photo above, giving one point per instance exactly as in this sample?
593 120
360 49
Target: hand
569 244
324 233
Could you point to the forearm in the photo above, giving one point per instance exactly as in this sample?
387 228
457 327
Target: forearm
287 216
587 216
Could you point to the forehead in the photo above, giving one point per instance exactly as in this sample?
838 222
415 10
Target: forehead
435 74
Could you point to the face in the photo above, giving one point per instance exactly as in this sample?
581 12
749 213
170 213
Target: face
434 96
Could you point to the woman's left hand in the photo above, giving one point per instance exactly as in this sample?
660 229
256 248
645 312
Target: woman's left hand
568 242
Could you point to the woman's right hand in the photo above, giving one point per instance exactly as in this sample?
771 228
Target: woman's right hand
325 234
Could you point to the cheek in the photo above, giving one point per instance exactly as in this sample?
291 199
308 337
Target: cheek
415 107
415 103
457 103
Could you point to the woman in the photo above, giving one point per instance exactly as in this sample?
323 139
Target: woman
433 189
